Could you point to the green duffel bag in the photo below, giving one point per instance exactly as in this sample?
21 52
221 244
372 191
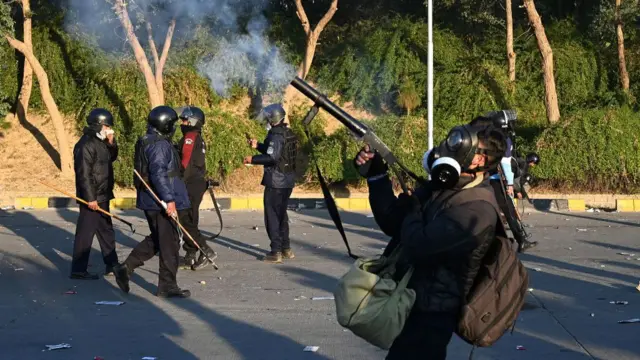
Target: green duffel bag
370 303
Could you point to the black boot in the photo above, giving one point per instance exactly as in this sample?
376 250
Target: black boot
188 260
526 245
175 292
83 276
123 275
203 261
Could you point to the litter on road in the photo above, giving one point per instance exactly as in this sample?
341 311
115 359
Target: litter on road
58 347
630 321
114 303
619 302
311 348
323 298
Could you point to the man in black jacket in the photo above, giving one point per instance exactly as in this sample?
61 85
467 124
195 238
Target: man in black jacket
443 242
278 156
93 158
192 154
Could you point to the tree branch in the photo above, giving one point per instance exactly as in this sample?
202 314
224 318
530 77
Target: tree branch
141 58
152 45
302 15
163 58
326 18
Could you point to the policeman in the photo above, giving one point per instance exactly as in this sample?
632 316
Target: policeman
445 228
504 120
93 158
278 156
522 176
158 162
192 152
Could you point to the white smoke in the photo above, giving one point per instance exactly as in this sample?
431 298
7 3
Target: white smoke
245 55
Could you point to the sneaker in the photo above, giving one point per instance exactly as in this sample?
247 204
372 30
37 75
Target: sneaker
187 261
122 274
273 257
287 254
203 261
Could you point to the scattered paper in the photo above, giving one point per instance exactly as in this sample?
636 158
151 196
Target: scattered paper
581 229
299 298
202 282
149 358
114 303
57 347
370 215
593 315
630 321
18 269
70 292
311 348
8 208
520 347
619 302
537 269
323 298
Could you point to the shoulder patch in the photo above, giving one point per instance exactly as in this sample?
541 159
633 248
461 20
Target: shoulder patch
188 141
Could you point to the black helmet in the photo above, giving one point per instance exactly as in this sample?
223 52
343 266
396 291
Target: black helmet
194 115
163 119
100 117
273 114
533 157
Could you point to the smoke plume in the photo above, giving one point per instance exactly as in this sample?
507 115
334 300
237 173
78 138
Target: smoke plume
244 56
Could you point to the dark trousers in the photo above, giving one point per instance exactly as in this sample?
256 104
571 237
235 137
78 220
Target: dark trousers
425 336
190 218
509 210
92 223
164 239
275 217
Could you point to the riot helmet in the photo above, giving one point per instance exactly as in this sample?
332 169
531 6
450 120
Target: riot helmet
533 158
455 154
273 114
163 119
98 117
194 115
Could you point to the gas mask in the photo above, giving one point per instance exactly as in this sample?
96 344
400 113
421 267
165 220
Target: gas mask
454 155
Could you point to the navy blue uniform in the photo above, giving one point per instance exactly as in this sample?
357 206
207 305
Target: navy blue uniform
278 182
164 178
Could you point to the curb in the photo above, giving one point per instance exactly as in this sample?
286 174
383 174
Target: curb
356 204
232 204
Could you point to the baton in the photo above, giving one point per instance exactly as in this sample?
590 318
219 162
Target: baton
133 230
175 219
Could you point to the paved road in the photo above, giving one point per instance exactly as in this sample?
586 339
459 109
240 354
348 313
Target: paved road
252 310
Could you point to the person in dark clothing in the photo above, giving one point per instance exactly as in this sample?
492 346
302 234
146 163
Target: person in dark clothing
158 162
192 152
444 243
522 175
93 158
504 190
278 156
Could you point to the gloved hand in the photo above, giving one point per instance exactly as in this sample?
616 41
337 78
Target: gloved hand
369 164
212 183
409 203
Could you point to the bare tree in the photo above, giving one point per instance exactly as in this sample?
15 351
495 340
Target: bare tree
27 75
61 135
154 80
622 64
551 96
312 36
511 55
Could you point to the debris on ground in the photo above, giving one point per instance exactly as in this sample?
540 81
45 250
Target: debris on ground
70 292
582 230
5 208
114 303
627 254
630 321
593 315
98 358
619 302
149 358
299 298
323 298
58 347
202 282
520 347
311 348
255 228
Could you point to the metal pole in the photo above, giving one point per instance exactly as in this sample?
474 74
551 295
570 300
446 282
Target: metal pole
430 73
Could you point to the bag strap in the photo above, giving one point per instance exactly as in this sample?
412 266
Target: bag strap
328 199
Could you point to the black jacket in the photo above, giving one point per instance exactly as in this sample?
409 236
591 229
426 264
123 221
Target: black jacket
271 151
192 154
93 163
444 243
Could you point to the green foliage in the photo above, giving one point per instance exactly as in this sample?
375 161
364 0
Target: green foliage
9 67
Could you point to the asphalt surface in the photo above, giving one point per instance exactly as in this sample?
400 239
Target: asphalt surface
252 310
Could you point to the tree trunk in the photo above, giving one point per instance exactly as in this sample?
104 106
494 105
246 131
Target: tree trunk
622 64
511 55
312 43
27 75
141 58
551 96
56 118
